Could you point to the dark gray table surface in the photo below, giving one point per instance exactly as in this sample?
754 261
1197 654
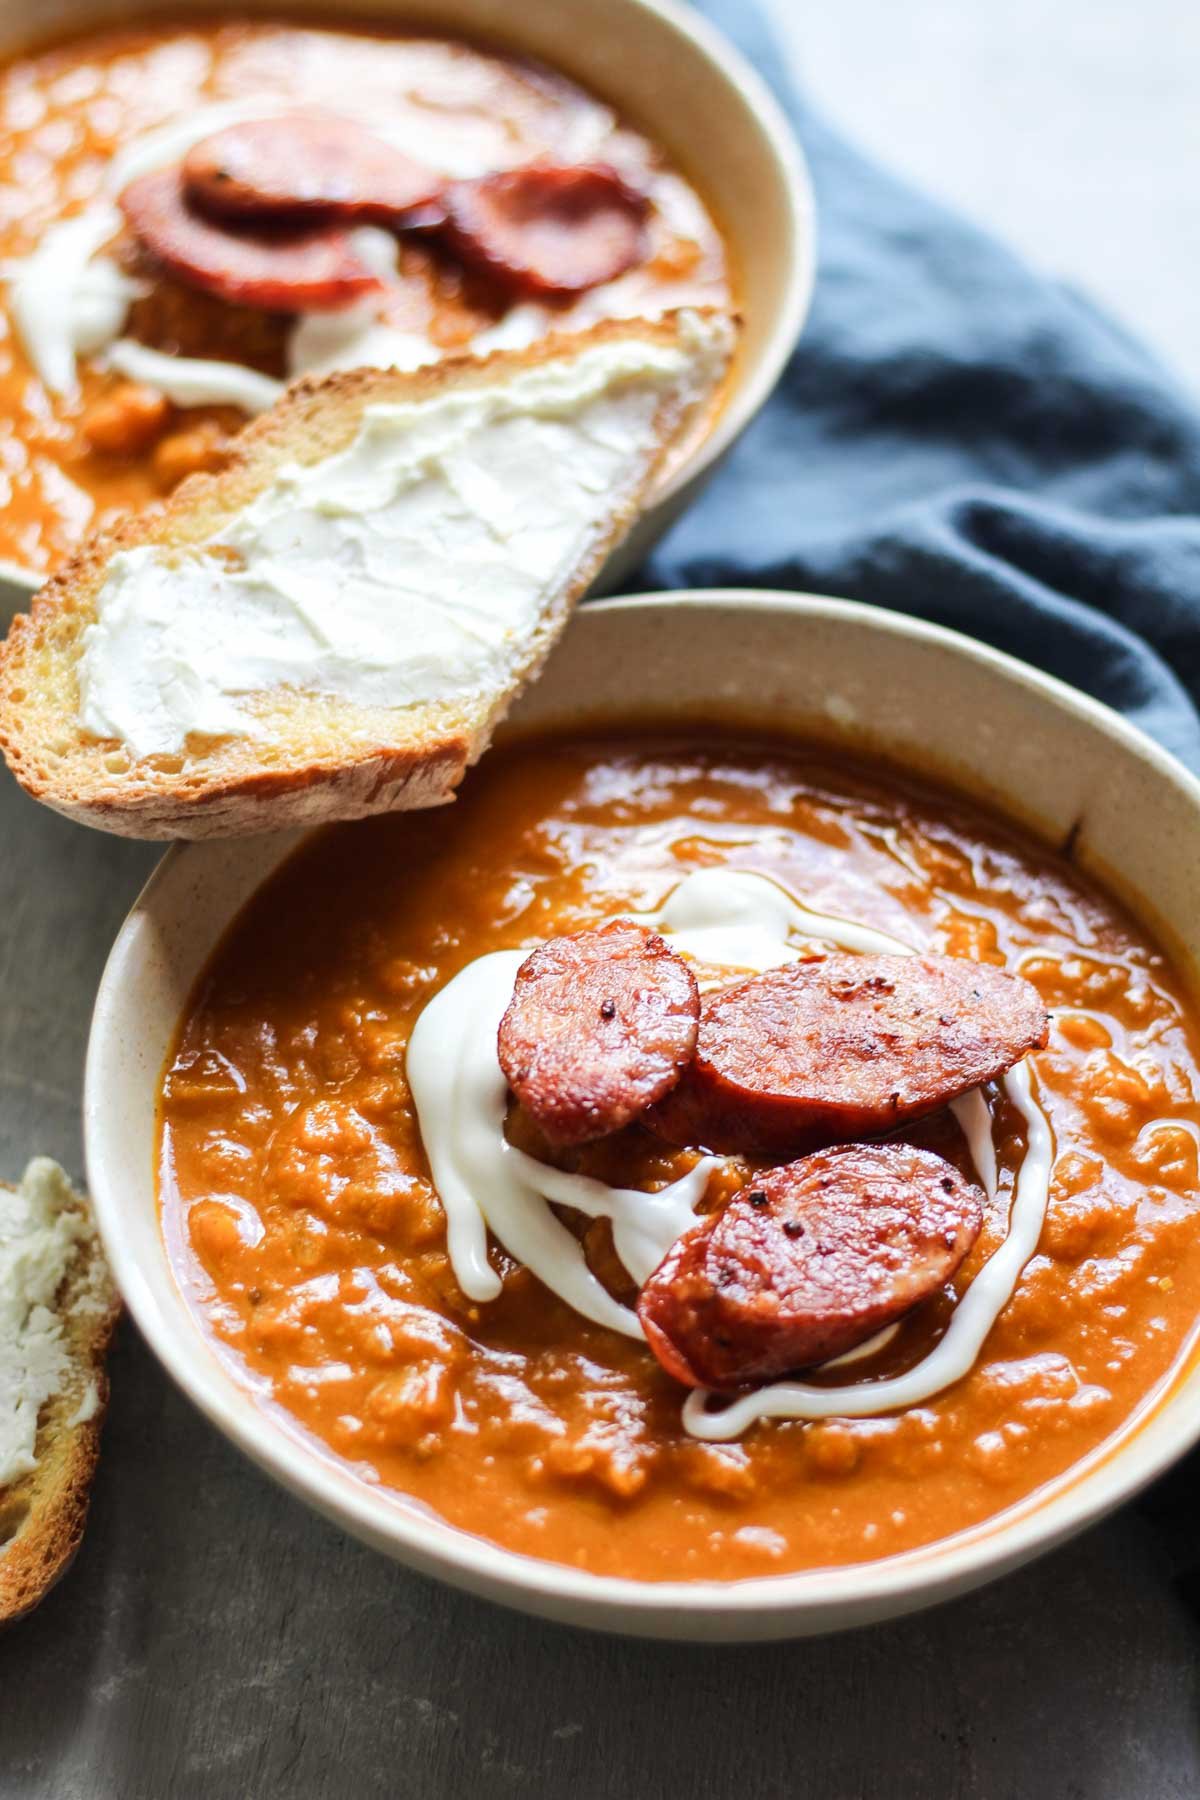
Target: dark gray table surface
214 1638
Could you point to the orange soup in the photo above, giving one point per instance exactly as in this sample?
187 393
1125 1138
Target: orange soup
94 423
304 1224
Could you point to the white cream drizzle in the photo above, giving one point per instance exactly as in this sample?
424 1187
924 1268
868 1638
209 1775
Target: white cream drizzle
1153 1126
861 1352
63 303
730 918
65 300
955 1354
194 380
320 344
356 337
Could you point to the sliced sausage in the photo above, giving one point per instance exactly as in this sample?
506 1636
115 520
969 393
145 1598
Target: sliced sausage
278 268
847 1047
545 229
301 165
599 1026
808 1261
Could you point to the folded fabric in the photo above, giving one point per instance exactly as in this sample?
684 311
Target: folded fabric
961 437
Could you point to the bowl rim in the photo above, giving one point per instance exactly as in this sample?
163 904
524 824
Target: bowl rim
772 1605
748 392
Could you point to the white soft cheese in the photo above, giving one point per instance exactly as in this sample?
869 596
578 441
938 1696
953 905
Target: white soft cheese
44 1227
410 567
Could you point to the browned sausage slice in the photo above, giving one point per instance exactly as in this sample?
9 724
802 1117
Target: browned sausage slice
544 229
279 268
808 1261
847 1047
298 165
598 1027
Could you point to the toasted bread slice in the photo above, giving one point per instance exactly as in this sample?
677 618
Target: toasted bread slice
58 1311
299 752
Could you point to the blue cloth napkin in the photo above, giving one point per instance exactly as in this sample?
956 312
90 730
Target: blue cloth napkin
963 438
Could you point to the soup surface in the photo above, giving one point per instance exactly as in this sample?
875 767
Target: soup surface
303 1224
80 448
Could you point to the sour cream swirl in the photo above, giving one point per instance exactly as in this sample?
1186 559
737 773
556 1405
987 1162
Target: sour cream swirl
730 918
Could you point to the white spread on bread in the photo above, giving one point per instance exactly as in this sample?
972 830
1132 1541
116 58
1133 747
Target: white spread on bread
409 567
728 918
44 1227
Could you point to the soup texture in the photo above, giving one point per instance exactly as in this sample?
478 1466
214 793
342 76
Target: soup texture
305 1228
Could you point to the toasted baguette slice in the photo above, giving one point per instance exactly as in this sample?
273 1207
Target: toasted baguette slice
58 1296
310 755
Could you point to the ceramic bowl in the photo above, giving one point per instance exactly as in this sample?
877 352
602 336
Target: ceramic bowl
1068 770
670 72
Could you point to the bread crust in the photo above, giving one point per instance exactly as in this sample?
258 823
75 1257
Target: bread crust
404 759
49 1506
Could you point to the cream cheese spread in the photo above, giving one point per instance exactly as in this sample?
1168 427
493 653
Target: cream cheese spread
44 1227
410 567
729 918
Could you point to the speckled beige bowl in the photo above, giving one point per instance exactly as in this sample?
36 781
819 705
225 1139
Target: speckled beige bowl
1069 770
671 73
